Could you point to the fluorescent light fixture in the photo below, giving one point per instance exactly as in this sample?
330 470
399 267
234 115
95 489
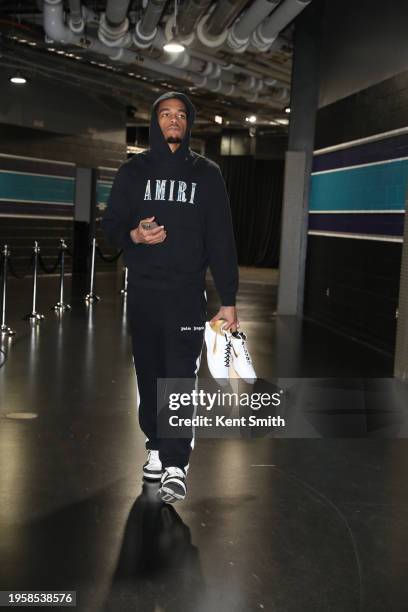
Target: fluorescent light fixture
174 46
218 119
282 121
18 79
251 119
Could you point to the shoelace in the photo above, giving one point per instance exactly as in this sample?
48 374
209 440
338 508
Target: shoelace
227 352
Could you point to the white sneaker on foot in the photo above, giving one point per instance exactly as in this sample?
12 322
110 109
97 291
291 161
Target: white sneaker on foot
173 485
241 359
219 346
152 469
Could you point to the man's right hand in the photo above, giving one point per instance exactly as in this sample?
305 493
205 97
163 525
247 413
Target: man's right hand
145 236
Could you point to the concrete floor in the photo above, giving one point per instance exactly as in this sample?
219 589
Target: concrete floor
286 525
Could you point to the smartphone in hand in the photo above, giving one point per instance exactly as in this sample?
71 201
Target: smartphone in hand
149 226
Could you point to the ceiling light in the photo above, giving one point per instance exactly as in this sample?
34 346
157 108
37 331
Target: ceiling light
282 121
174 45
18 79
218 119
287 110
251 119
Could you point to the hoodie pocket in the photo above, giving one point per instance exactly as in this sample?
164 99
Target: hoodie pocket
188 249
150 262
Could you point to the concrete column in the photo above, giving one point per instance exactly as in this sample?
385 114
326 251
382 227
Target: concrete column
84 216
401 348
299 157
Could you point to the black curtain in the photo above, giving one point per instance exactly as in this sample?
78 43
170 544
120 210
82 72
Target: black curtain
255 188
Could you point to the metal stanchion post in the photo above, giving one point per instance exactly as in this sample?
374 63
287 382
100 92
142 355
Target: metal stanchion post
91 296
61 306
123 291
34 316
5 329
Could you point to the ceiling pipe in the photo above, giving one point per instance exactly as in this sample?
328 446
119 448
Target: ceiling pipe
183 60
267 31
146 28
228 77
201 81
228 71
76 19
217 86
271 82
116 12
189 14
54 26
252 97
57 31
241 70
281 94
202 64
223 15
250 83
238 36
186 40
90 16
212 29
212 70
113 28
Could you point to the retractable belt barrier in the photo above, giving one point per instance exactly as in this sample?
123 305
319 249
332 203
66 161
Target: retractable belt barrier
35 263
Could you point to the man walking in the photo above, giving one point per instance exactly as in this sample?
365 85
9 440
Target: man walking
169 212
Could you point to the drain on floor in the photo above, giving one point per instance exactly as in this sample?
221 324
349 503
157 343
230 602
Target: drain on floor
21 415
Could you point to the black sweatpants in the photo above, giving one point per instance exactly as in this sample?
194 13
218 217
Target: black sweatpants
167 329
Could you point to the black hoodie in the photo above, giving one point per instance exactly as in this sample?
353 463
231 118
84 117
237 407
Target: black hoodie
186 193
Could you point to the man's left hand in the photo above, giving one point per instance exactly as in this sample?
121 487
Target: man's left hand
229 314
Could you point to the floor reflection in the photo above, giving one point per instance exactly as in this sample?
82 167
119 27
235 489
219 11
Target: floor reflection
158 566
